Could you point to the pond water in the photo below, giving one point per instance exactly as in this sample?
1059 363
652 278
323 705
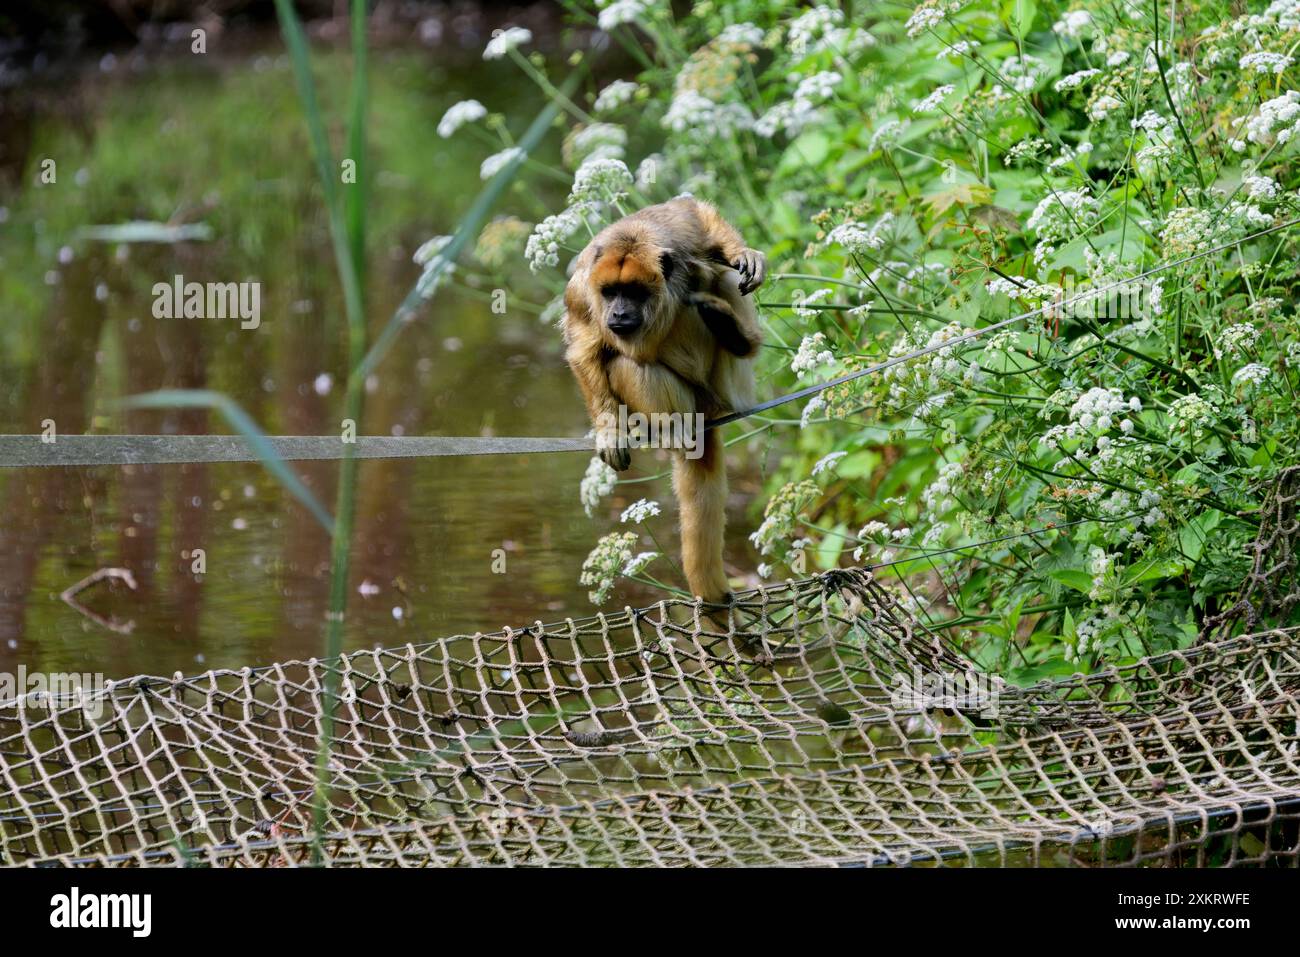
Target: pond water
222 142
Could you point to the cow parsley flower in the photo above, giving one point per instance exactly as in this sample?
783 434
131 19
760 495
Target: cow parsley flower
457 115
1236 341
503 41
811 355
1263 62
499 161
615 95
1074 24
1260 187
1276 119
601 179
691 111
934 100
928 15
543 248
596 484
605 564
620 12
1252 375
827 462
1074 80
639 511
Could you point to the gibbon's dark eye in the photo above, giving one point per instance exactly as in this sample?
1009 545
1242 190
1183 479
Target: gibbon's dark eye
632 291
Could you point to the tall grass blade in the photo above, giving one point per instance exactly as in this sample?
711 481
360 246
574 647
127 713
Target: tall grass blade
241 422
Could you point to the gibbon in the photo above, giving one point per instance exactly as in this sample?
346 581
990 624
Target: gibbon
658 319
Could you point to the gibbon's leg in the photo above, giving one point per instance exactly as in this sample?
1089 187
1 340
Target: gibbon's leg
701 488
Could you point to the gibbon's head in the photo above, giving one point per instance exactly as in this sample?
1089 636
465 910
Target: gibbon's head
629 287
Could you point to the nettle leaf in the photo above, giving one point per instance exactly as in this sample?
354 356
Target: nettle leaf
1152 569
1074 578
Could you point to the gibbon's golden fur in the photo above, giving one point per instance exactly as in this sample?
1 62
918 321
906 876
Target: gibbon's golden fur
658 319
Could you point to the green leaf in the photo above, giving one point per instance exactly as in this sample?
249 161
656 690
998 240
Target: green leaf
828 550
1194 535
1019 16
1072 577
1152 569
808 150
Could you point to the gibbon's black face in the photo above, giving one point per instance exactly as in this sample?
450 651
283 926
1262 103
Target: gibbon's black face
625 307
630 285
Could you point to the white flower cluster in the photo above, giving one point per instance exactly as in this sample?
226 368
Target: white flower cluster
741 34
937 496
934 100
1093 416
1027 149
1253 374
503 41
926 375
827 462
811 355
1101 566
639 511
615 95
1235 341
794 114
596 484
1267 63
1103 106
458 114
1074 24
857 238
957 49
1263 188
1024 72
596 141
622 11
692 112
638 563
499 161
1190 416
1188 230
782 514
888 134
821 28
1277 120
605 563
437 269
1074 80
549 235
928 15
1061 214
601 179
803 304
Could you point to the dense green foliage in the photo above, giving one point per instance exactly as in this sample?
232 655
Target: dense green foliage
917 173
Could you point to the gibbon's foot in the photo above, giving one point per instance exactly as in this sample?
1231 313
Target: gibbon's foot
752 266
617 457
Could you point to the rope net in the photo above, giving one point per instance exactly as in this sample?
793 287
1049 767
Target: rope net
819 723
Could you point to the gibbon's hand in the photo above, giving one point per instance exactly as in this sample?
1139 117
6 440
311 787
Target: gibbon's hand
617 457
752 266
